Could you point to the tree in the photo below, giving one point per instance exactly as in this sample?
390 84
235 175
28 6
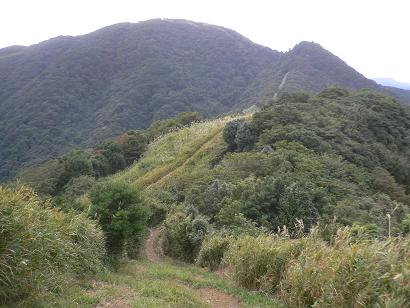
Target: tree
133 144
239 135
121 211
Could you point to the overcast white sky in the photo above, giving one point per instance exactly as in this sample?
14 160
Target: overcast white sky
372 36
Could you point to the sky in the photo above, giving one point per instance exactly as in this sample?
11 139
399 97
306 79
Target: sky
370 35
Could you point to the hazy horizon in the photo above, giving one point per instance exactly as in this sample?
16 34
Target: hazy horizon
368 35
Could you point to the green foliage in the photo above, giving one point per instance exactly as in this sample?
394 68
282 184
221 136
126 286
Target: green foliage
276 202
55 177
308 272
76 91
122 214
239 135
161 127
368 129
213 249
84 90
74 164
261 262
79 186
372 210
366 273
183 235
405 224
41 247
133 144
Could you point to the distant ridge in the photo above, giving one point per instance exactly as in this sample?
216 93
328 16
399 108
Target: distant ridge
390 82
70 92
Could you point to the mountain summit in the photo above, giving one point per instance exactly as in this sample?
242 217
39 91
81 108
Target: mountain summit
75 91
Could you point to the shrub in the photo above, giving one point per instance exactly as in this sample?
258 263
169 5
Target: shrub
40 246
176 241
79 186
183 235
213 249
122 214
239 135
229 133
212 196
405 224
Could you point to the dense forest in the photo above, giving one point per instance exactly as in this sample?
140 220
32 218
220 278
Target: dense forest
305 200
71 92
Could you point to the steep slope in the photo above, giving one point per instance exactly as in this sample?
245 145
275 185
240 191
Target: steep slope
309 67
75 91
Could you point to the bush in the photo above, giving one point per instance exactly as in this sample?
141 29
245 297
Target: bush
79 186
229 133
40 246
239 135
405 224
122 214
183 235
213 249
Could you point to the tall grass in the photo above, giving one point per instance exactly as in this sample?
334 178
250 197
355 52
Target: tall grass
169 152
308 271
41 247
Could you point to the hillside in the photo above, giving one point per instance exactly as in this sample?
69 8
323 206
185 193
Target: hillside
286 204
71 92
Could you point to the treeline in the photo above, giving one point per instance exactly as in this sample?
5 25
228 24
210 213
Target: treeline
75 172
309 202
337 159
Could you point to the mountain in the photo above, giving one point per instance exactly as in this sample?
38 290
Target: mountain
390 82
71 92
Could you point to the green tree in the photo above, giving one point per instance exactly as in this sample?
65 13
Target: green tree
121 211
133 144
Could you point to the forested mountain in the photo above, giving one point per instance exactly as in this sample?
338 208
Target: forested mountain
76 91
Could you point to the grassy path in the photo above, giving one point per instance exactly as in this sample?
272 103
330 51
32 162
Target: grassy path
211 296
155 282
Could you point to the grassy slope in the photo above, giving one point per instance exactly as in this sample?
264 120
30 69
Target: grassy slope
165 283
174 153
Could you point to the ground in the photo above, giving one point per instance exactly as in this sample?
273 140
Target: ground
157 281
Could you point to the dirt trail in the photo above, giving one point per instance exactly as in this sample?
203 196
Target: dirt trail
150 245
213 297
217 299
282 84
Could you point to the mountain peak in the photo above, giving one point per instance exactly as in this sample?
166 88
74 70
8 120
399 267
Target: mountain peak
308 48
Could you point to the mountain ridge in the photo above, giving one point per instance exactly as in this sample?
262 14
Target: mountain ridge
392 83
70 92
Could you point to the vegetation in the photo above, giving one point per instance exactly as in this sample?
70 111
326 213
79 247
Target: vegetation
306 201
71 92
308 272
74 173
41 248
156 284
122 214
